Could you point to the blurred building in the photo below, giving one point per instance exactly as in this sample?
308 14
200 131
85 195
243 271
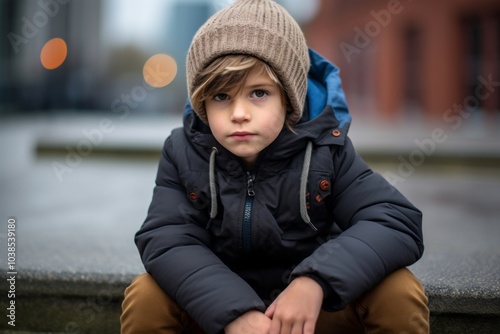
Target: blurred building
186 18
414 59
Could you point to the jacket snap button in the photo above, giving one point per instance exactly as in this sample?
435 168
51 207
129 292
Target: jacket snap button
193 196
336 133
323 185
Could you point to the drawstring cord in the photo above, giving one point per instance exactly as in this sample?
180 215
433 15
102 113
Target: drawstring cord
213 190
303 186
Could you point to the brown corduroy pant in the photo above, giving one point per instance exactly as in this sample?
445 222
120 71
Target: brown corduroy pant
398 304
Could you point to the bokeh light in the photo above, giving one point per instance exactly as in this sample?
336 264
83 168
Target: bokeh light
53 53
159 70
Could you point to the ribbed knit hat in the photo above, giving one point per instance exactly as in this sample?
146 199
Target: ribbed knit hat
260 28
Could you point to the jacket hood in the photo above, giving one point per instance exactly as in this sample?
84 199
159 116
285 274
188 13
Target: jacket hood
325 119
324 95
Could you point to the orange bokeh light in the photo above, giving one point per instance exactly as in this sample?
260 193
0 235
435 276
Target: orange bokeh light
159 70
53 53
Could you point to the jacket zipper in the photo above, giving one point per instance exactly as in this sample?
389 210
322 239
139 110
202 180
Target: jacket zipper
246 231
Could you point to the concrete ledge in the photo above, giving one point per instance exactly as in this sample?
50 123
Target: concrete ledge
463 291
461 284
463 324
377 143
50 302
58 302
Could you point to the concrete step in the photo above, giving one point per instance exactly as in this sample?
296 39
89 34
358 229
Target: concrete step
53 302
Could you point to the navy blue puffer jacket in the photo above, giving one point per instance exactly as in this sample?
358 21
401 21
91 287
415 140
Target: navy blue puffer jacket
222 240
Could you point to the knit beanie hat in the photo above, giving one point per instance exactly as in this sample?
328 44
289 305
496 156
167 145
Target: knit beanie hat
259 28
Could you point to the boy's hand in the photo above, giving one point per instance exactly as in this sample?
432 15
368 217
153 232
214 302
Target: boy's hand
296 309
252 322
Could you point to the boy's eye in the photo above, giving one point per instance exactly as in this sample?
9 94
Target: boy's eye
221 97
259 93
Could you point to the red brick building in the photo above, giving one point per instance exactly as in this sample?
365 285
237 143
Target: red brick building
417 58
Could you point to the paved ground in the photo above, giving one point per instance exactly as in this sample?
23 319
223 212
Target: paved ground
84 220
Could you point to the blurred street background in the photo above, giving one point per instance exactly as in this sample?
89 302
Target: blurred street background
90 89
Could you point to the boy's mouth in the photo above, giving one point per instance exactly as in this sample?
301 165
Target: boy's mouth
241 135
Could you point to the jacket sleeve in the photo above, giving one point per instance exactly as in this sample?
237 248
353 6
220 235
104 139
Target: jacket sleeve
175 251
381 232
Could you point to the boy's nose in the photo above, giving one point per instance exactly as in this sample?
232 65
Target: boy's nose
240 112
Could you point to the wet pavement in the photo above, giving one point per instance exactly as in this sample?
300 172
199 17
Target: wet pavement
78 217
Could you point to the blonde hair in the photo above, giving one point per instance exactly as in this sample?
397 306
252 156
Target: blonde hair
229 72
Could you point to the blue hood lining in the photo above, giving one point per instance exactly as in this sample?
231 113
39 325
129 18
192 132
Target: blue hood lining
325 88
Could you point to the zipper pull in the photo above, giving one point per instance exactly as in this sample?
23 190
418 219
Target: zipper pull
250 179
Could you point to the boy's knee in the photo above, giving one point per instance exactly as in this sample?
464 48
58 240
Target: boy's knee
398 302
399 284
400 292
144 289
148 309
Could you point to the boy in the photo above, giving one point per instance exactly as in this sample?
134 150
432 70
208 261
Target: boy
263 218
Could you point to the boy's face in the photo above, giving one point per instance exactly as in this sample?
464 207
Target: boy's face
247 121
